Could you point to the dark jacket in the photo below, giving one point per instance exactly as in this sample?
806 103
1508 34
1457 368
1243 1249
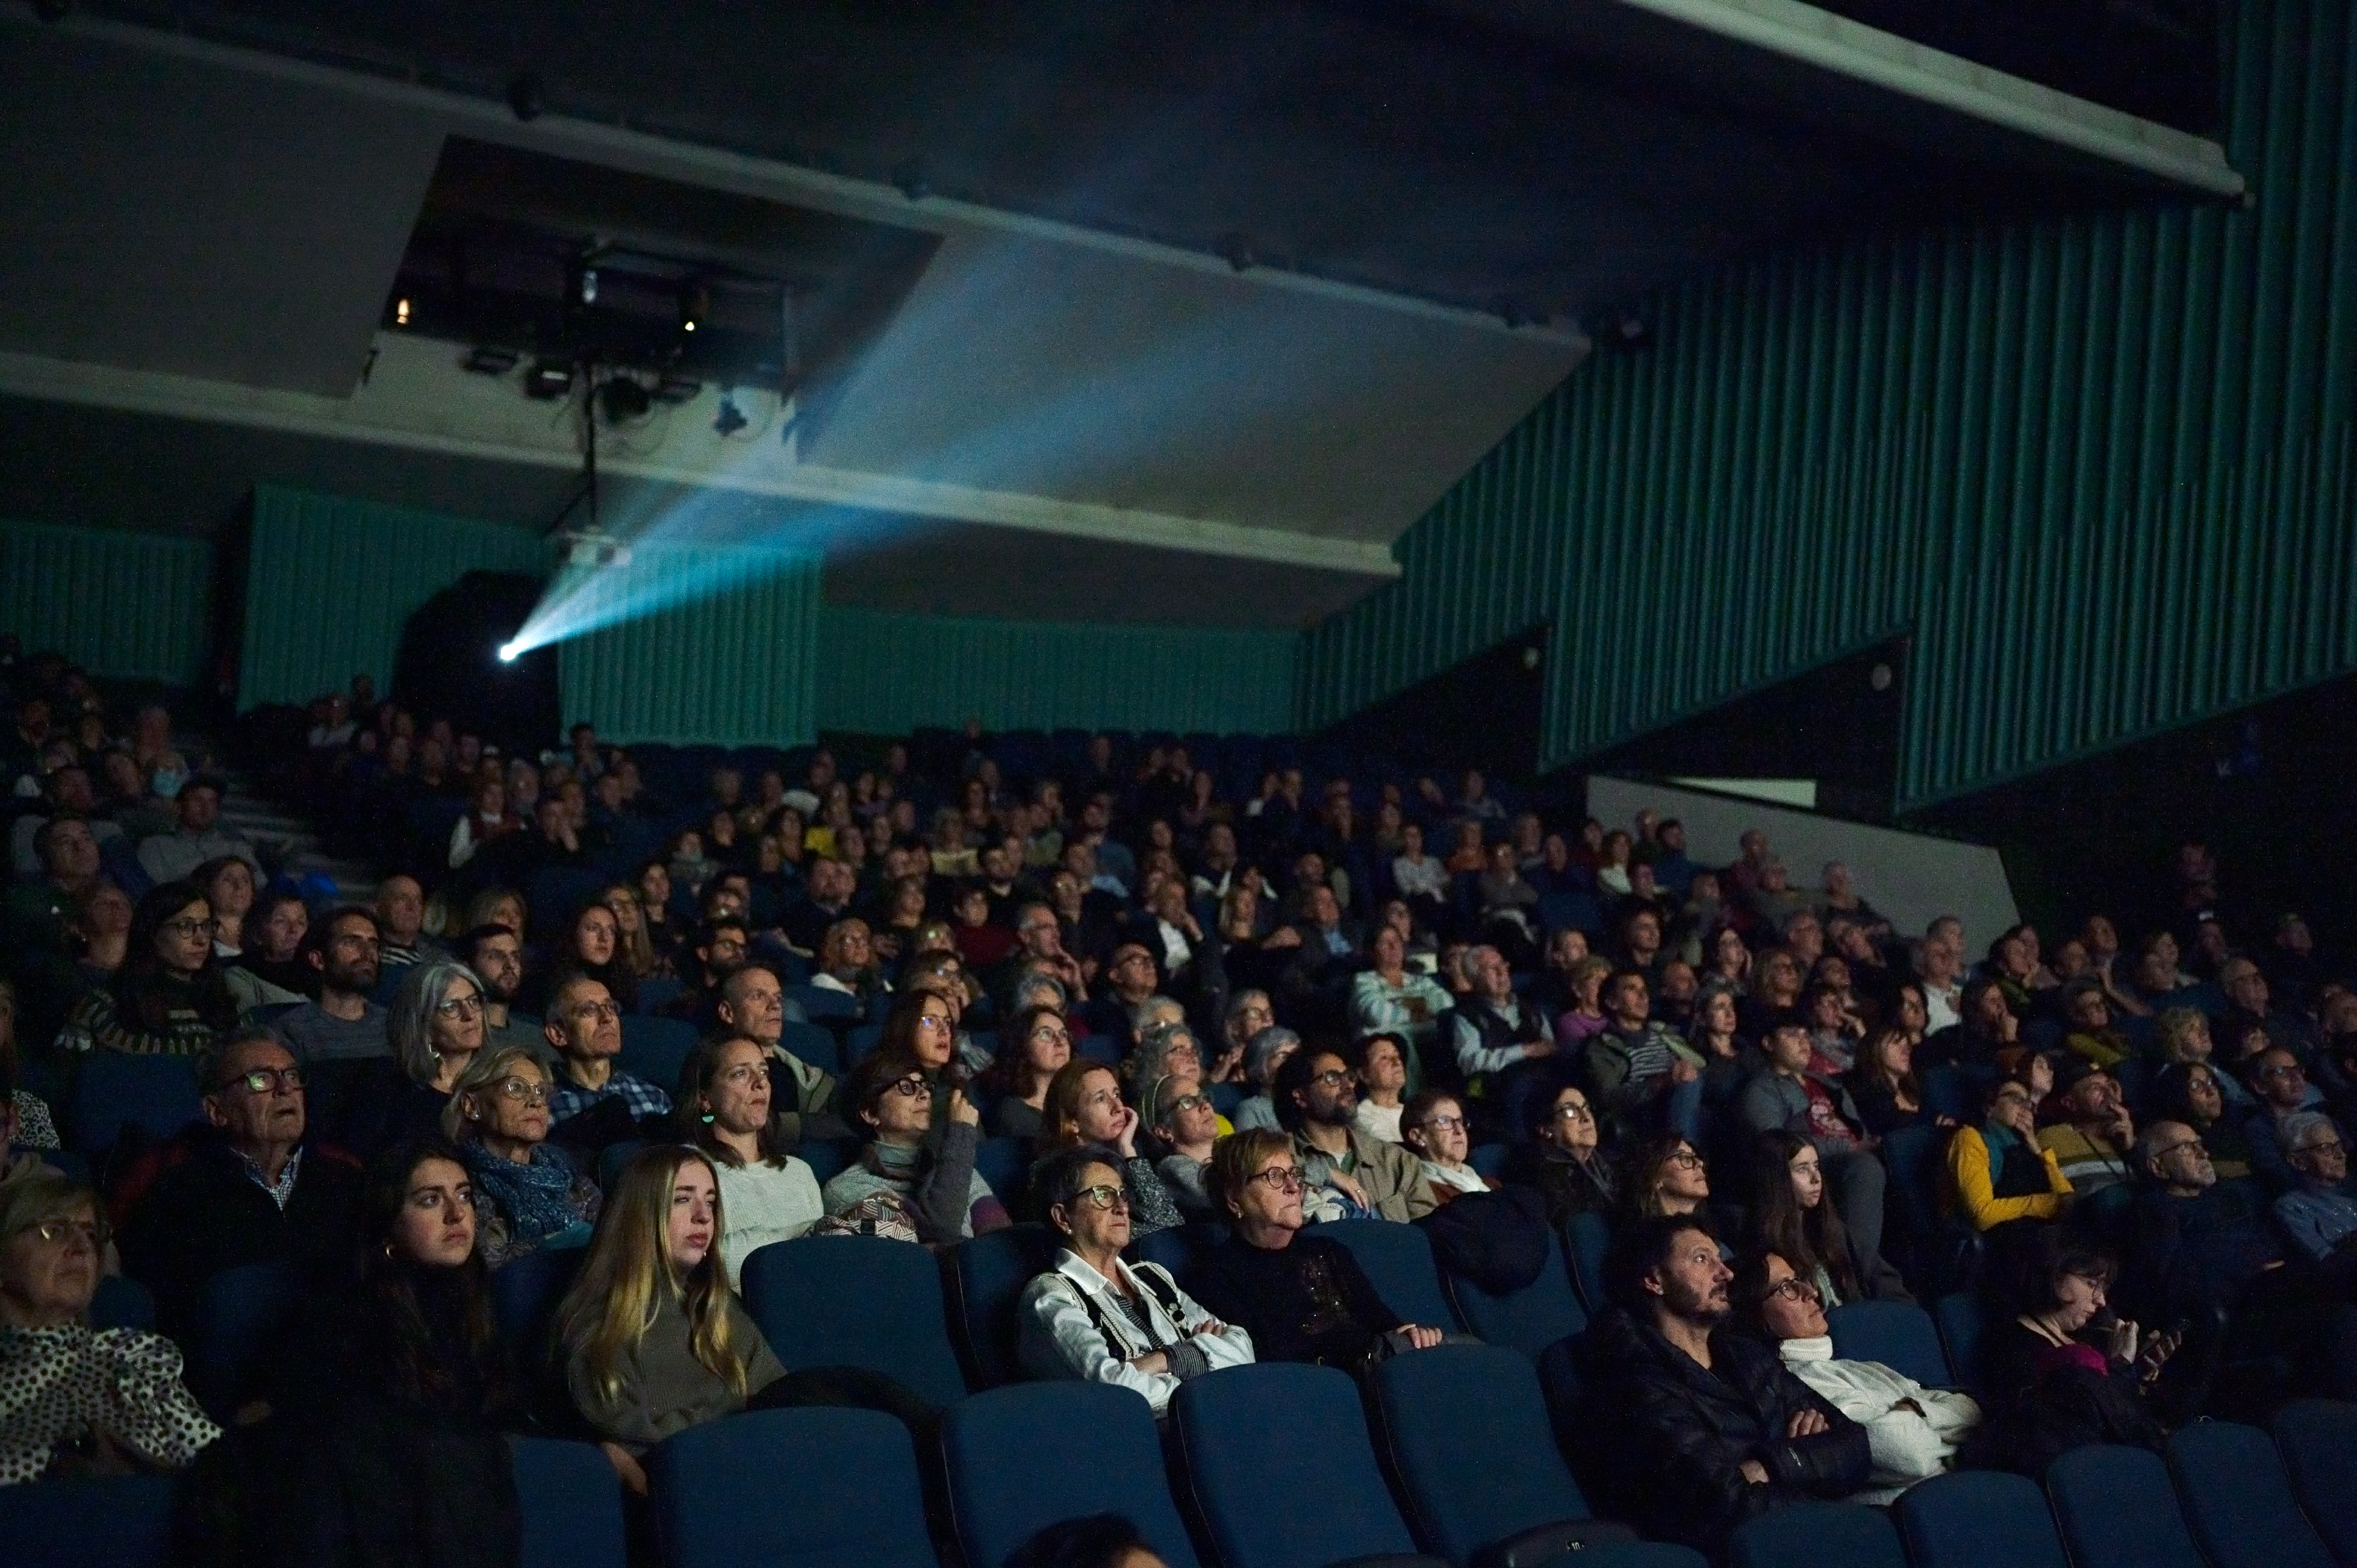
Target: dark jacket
1285 1299
198 1213
1570 1187
1679 1432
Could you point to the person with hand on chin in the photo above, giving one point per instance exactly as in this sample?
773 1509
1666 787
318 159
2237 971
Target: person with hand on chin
1084 1106
1096 1317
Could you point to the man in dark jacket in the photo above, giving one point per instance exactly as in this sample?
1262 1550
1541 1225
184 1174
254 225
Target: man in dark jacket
240 1188
1709 1429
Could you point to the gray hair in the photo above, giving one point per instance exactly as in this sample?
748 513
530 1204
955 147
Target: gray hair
1029 987
1146 1062
1146 1009
2301 1127
408 1025
491 1064
1240 1000
1264 1046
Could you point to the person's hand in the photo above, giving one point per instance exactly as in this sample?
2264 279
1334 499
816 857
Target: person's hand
627 1468
1539 1049
2007 1028
1754 1472
1229 1065
2125 1339
1124 1132
962 1109
1348 1188
2156 1352
1420 1336
1154 1363
1944 1121
1682 1070
1806 1423
1282 937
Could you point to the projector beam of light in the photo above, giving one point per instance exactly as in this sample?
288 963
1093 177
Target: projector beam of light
508 651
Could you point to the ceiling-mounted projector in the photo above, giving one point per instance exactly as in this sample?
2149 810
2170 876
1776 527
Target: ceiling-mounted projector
592 549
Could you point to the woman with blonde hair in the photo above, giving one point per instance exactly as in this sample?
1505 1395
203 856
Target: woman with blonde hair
528 1192
653 1340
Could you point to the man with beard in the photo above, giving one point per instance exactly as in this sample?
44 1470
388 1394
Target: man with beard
1708 1429
720 950
1318 1102
337 1036
496 955
752 1006
242 1186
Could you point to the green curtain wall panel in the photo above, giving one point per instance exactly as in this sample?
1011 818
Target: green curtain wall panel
695 644
331 581
884 673
131 606
2101 468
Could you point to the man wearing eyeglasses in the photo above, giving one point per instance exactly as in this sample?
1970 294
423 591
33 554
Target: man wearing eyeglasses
1318 1102
2318 1214
242 1186
584 1027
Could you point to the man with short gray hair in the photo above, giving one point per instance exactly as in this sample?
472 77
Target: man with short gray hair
2318 1214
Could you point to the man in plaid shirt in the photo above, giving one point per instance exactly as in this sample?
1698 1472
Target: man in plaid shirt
585 1025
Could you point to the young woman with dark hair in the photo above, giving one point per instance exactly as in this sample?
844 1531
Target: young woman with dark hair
169 998
1791 1216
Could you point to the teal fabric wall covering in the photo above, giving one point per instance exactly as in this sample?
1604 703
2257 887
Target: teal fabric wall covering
131 606
702 643
2100 468
330 582
883 673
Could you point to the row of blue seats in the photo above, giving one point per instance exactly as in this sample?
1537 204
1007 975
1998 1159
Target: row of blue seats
1447 1452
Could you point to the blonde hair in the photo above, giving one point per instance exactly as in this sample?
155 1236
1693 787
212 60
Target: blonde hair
491 1064
2174 1028
614 1299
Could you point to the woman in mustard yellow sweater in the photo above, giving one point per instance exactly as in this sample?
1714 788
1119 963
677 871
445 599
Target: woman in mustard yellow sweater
1996 1171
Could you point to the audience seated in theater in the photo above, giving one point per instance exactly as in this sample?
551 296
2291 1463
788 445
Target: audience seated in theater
1182 1116
1095 1318
244 1185
273 952
1267 1051
2250 1004
1390 999
908 1182
401 923
200 837
1794 1212
1710 1428
753 1005
1667 1176
592 946
65 792
35 923
494 955
1494 1034
1033 1047
74 1401
2317 1213
592 1102
726 1108
344 949
1316 1102
528 1192
1434 1127
1646 1078
1562 1158
1084 1106
1884 1086
435 1027
1300 1297
2282 1089
1776 983
169 998
1381 1072
1912 1433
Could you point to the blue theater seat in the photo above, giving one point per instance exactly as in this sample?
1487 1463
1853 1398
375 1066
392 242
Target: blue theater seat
119 1522
855 1301
1978 1518
1817 1535
2238 1499
2318 1440
1024 1457
2115 1509
1398 1259
1529 1320
822 1487
572 1505
1898 1333
983 1280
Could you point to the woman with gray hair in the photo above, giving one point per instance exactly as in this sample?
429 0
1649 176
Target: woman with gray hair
436 1029
527 1190
1265 1054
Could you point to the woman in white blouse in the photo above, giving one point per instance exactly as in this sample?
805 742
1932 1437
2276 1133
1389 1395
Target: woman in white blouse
73 1400
765 1194
1095 1318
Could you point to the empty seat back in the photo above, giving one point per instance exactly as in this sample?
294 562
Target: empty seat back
1529 1320
812 1042
111 1090
524 1293
1898 1333
1004 1166
121 1301
238 1317
656 1048
1817 1535
823 1486
855 1301
2317 1441
1978 1518
1463 1431
2115 1509
572 1505
2236 1497
1962 1320
1025 1456
985 1279
1586 1238
1398 1259
1278 1469
121 1521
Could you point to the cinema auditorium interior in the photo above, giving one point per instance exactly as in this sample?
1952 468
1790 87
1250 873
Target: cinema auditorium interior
1580 773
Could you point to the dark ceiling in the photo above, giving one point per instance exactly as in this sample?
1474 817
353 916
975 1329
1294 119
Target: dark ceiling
1485 153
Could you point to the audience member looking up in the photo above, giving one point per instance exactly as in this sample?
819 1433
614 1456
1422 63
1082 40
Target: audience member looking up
725 1110
1316 1102
528 1192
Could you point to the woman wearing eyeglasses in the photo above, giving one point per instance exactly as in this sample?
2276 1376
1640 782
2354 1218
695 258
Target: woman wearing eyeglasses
1667 1175
1913 1432
436 1029
724 1104
1034 1047
1300 1297
1563 1159
899 1185
1183 1116
1095 1318
169 997
1434 1126
73 1401
527 1191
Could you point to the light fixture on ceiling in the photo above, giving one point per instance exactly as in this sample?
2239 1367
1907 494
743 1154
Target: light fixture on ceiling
401 311
730 419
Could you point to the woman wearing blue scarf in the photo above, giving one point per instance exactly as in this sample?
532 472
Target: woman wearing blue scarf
527 1193
1999 1173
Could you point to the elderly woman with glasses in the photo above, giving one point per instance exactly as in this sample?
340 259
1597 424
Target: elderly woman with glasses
527 1192
900 1186
1300 1297
75 1401
1434 1126
1181 1114
1563 1159
1095 1318
435 1027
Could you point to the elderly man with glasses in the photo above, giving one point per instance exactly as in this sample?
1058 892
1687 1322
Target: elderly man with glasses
592 1102
244 1185
2318 1214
